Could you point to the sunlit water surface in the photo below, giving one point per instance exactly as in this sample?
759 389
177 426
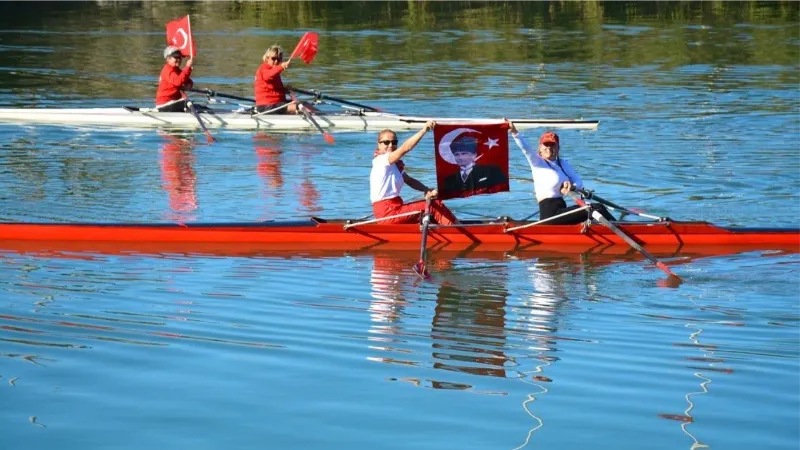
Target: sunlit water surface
110 349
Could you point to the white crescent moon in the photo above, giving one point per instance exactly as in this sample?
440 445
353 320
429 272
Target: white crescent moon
185 38
447 139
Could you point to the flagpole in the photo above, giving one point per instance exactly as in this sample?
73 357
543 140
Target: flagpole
191 39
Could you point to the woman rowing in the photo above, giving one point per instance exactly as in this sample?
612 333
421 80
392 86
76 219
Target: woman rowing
172 79
554 177
388 176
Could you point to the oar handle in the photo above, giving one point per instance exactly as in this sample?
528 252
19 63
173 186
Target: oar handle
212 93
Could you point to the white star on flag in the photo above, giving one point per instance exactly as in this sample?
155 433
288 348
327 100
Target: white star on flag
492 143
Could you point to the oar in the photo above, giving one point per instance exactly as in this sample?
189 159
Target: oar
320 95
196 115
599 217
307 114
211 93
419 268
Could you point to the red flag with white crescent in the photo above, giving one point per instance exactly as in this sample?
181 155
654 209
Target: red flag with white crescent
179 34
471 159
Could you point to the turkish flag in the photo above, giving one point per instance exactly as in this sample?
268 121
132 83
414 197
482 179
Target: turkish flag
307 47
179 34
471 159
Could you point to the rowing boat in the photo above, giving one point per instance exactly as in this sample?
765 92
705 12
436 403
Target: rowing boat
129 116
318 233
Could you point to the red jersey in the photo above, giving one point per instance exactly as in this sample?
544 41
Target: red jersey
170 82
269 86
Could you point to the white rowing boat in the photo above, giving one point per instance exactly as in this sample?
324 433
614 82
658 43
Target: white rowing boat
217 118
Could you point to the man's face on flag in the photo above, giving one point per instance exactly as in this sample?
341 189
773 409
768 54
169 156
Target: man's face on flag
464 158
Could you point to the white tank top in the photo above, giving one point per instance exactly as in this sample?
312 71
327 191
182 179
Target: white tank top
385 180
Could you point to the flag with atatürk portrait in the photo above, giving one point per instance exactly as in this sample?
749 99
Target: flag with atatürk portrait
471 159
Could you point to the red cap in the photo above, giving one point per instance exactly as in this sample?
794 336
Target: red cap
549 138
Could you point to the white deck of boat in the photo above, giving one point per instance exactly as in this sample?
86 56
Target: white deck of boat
123 117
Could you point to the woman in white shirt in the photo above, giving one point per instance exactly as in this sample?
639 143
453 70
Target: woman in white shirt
553 177
388 176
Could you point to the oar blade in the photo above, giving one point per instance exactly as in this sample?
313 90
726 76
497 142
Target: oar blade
666 270
307 47
422 271
328 138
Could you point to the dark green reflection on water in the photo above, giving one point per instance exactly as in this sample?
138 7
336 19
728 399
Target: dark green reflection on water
112 49
411 14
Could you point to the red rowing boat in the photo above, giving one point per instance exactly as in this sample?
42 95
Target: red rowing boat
319 233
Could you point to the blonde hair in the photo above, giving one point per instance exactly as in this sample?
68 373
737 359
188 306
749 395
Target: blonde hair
273 50
386 131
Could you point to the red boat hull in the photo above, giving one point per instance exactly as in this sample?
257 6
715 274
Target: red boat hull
332 234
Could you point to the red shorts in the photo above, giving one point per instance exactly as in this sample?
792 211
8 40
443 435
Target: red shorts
394 206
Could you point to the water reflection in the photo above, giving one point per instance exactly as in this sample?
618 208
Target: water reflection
387 280
309 195
178 175
473 329
269 162
468 327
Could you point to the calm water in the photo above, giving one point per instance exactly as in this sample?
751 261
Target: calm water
112 348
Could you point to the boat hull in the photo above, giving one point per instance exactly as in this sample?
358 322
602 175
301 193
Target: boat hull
135 118
338 234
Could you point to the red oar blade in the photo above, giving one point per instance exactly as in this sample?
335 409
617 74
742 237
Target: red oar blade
666 270
420 269
307 47
328 138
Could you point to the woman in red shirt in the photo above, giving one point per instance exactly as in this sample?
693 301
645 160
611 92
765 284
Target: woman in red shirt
169 97
270 92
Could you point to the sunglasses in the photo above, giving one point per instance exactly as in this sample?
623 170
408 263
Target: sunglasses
276 58
393 142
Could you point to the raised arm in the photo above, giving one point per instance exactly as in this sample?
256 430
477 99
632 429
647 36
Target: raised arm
531 154
410 143
179 80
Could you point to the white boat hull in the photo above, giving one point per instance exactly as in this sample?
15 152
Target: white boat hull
131 117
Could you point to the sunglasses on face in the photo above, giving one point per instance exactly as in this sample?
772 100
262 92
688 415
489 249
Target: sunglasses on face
387 142
276 58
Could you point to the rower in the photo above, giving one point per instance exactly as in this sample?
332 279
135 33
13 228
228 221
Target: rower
269 88
553 178
388 176
172 80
